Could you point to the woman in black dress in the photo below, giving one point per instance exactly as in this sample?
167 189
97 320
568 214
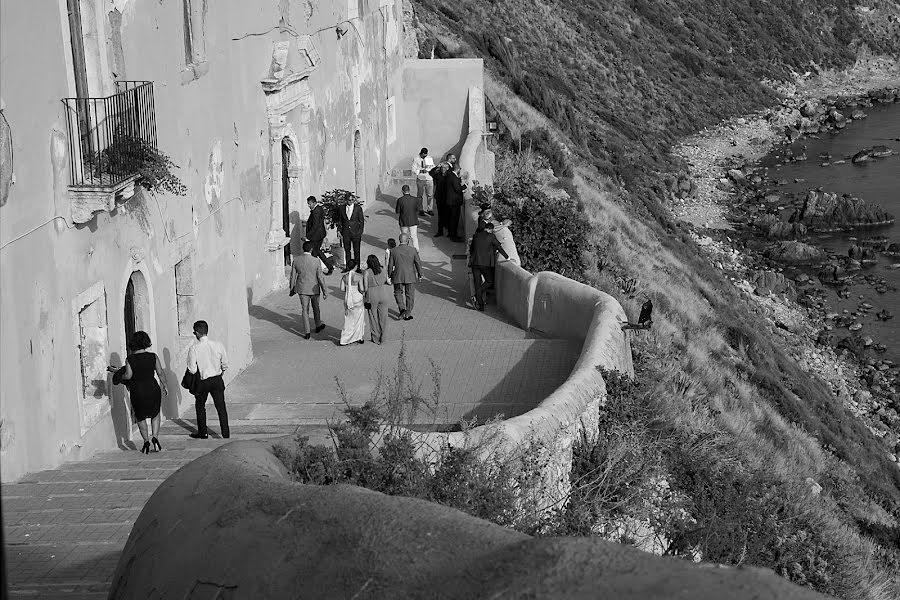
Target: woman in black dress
146 399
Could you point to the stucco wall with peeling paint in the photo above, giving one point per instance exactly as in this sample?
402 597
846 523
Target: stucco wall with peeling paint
211 118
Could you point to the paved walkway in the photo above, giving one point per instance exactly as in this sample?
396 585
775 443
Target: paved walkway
65 528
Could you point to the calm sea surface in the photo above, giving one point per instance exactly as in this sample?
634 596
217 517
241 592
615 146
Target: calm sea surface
877 181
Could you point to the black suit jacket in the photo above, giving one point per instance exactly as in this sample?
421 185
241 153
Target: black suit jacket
315 224
353 227
440 184
454 189
483 249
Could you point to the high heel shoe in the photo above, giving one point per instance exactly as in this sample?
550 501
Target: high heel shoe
146 448
156 445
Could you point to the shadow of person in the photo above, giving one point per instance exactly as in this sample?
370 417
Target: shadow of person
120 408
173 384
298 231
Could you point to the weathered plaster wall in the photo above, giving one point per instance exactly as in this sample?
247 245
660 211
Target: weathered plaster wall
253 533
433 109
212 121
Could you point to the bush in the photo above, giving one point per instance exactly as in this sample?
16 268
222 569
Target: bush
334 202
128 155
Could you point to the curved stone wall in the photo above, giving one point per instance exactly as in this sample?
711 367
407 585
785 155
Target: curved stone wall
232 525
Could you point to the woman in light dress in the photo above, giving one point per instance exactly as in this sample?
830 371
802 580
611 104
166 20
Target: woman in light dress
353 286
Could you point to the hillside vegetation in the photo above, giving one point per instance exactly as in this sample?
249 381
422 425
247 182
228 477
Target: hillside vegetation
759 463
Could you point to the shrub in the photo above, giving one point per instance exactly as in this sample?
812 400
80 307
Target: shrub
128 155
334 202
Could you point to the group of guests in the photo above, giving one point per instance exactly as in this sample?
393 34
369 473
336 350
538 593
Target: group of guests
367 290
438 186
145 380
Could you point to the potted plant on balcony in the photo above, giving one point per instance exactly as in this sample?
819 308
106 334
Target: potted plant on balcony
130 155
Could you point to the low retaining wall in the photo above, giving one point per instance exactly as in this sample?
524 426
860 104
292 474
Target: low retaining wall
232 525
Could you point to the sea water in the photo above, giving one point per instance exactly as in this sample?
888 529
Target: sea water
876 181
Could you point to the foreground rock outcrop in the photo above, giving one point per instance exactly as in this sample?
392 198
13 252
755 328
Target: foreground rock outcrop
231 525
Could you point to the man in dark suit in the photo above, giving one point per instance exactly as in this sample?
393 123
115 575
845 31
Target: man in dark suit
454 197
408 216
353 221
482 259
315 231
405 270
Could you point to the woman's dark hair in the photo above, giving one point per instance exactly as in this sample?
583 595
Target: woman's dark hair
139 341
373 263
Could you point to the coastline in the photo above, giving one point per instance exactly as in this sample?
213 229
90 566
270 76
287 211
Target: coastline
748 139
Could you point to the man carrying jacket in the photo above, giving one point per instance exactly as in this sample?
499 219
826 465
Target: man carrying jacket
482 259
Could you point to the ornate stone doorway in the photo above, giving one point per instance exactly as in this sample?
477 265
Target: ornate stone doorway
286 181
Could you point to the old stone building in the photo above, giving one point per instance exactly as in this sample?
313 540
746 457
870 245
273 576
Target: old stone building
259 104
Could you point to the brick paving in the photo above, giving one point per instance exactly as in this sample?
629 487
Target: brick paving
65 528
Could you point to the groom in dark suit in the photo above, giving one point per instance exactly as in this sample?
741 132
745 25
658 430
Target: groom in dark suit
353 221
315 232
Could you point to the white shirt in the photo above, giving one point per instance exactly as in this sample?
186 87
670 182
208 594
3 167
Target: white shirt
420 163
349 211
209 356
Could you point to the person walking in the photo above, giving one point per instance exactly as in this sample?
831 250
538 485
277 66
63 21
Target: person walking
454 195
405 270
353 222
409 220
142 368
482 259
315 231
422 166
308 282
391 244
354 329
377 298
207 357
439 176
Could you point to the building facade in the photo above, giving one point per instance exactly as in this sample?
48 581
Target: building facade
259 104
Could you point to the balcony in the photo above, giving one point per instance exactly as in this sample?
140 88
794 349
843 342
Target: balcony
108 140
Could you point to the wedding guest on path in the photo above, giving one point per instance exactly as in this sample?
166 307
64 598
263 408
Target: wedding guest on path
142 368
482 259
315 231
454 192
439 176
377 298
405 270
207 357
409 220
353 221
391 244
354 329
308 282
422 166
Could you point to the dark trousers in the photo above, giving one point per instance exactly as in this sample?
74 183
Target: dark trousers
453 220
484 280
215 387
405 295
351 250
443 221
316 251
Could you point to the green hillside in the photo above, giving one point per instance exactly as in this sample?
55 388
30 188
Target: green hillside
762 464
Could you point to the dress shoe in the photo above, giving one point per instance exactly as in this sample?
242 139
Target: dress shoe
146 448
430 213
320 328
156 445
329 271
197 436
361 341
408 317
305 336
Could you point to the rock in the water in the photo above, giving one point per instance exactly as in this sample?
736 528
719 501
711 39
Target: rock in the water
884 314
862 156
858 114
795 252
824 211
881 151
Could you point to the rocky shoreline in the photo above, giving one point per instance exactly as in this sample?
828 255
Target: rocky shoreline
751 234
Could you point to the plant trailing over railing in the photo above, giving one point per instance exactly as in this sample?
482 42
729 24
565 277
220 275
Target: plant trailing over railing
334 202
129 155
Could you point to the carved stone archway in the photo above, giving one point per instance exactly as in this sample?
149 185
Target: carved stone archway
289 108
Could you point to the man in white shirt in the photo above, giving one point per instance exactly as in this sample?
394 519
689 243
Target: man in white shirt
208 358
422 166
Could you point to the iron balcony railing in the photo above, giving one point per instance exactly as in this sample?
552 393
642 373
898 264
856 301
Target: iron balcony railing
110 138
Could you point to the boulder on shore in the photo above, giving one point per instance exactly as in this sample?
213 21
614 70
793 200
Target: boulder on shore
770 282
795 252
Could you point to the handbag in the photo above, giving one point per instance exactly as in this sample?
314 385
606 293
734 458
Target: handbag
191 381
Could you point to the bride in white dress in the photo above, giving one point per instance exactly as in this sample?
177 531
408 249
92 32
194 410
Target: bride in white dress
352 284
